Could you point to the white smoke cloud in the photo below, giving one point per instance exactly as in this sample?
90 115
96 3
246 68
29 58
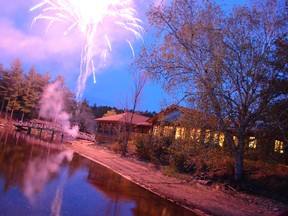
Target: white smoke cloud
52 108
40 171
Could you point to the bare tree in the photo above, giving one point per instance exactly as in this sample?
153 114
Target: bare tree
139 83
219 62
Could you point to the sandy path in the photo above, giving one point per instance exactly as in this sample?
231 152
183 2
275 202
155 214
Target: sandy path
198 198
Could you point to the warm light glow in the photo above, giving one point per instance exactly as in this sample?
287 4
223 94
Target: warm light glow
235 140
198 134
88 16
180 133
252 142
278 147
219 139
168 131
207 136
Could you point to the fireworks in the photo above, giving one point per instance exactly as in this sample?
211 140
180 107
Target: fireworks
89 17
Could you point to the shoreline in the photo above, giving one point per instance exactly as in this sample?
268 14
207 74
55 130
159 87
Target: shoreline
199 199
196 211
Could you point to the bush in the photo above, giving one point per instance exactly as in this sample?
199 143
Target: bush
184 156
160 150
154 149
181 159
144 148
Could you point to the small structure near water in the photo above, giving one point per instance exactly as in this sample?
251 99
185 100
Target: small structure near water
40 126
111 127
51 128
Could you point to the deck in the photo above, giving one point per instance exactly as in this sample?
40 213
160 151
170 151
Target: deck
51 127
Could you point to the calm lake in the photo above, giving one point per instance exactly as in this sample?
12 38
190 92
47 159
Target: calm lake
42 178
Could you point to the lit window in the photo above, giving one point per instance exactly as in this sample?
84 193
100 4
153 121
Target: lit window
168 130
252 142
207 136
198 134
219 139
156 130
183 132
279 146
165 132
215 138
192 134
235 140
180 133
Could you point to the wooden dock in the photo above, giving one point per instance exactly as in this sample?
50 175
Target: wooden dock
53 128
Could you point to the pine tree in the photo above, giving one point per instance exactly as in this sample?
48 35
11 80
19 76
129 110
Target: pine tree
4 83
15 87
31 93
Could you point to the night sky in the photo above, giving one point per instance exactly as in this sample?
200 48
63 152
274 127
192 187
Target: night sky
51 50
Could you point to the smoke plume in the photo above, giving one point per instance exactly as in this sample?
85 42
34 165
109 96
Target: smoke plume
52 108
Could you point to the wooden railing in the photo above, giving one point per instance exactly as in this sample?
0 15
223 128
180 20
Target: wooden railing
39 126
86 136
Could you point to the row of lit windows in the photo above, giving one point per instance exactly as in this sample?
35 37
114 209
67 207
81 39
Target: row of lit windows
195 134
278 145
219 138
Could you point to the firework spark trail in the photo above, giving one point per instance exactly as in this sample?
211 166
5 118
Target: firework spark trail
88 16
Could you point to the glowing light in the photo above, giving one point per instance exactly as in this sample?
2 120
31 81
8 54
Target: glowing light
90 17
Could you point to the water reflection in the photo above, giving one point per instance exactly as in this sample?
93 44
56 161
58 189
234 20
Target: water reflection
41 178
39 172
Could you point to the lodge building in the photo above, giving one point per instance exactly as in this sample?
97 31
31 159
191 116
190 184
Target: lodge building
181 123
109 128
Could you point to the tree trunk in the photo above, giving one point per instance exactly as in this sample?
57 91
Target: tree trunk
12 111
6 113
2 106
238 176
125 142
22 117
239 167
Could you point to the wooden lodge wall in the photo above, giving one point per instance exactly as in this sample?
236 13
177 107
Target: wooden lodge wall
260 146
112 132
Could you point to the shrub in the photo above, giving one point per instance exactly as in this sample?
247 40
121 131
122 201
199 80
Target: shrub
181 153
154 149
144 148
160 150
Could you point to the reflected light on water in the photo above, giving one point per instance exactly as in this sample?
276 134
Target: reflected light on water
38 179
40 171
57 201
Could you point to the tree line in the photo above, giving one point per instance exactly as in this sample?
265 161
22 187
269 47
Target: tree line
20 93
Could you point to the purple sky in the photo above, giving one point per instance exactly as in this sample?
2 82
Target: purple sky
60 55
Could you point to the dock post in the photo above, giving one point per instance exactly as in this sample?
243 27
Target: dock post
52 137
29 130
40 133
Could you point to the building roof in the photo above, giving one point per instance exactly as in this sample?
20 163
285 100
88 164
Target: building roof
170 114
176 113
138 120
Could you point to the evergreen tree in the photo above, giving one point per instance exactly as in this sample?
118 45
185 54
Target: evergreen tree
4 83
15 87
31 93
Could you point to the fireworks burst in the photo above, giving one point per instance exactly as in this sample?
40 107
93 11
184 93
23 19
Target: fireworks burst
89 17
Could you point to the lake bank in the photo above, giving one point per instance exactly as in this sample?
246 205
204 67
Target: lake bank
203 200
